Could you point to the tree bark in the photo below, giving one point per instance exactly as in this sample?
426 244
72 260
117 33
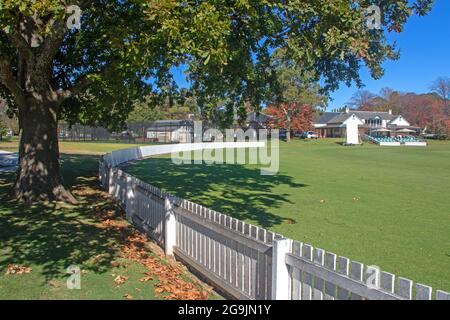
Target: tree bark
38 99
38 176
288 132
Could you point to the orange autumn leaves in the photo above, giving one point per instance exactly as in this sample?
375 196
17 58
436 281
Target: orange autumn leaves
14 269
292 115
171 282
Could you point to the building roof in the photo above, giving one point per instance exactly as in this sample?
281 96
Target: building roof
327 116
169 125
366 115
340 117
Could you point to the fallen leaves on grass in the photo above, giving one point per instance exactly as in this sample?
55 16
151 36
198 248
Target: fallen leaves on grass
120 280
128 296
147 278
16 269
134 247
108 223
170 282
290 221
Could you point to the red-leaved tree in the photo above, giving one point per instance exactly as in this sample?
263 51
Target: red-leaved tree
426 111
292 116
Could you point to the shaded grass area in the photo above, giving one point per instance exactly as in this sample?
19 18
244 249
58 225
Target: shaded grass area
240 191
53 237
388 207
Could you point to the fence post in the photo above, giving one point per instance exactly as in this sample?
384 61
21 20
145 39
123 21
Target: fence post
101 171
111 181
170 229
280 272
129 204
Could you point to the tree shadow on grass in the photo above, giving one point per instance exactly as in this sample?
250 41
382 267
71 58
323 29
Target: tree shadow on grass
236 190
56 236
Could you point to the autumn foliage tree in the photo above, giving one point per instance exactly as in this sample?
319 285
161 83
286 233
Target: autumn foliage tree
427 111
292 116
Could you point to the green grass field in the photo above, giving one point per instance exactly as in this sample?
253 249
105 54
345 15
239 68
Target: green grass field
382 206
50 238
68 147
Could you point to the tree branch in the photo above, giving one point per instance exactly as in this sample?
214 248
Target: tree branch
52 42
83 82
75 89
8 79
17 40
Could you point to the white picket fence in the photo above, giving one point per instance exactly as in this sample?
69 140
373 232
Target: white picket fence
244 260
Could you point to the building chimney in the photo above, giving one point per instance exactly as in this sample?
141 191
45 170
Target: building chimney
347 109
390 111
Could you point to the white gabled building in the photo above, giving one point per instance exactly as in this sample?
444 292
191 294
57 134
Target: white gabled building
353 124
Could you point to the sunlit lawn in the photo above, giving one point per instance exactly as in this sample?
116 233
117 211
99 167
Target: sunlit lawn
81 147
388 207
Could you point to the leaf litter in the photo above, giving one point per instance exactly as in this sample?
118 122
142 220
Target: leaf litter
169 283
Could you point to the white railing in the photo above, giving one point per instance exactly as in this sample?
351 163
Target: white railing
243 260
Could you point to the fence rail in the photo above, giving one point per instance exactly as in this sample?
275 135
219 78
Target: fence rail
244 260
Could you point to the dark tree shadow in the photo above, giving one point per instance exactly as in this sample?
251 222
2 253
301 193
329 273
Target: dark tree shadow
56 236
236 190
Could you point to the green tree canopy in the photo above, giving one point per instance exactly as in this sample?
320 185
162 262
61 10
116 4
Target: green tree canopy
123 50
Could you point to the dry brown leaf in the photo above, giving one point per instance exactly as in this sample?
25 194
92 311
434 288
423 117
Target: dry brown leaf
128 296
120 280
145 279
16 269
134 247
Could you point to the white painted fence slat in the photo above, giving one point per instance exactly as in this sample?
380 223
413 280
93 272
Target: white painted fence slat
307 278
240 268
356 274
404 288
228 260
296 283
343 268
319 284
442 295
247 270
296 274
387 281
330 288
262 276
254 274
269 276
423 292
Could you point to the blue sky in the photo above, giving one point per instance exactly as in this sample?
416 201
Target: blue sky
425 55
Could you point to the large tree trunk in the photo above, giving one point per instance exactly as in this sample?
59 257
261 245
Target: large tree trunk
288 133
38 175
